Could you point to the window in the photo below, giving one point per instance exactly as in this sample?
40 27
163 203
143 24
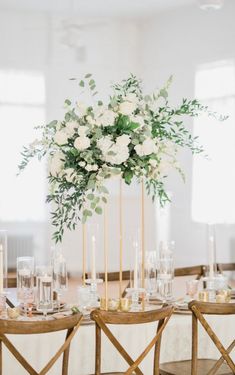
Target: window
22 107
214 178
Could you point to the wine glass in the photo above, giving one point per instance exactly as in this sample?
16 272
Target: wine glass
44 290
60 277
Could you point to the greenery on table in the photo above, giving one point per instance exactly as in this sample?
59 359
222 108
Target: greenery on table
133 135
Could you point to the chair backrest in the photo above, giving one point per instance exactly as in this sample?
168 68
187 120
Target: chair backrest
199 309
102 318
226 267
70 323
198 271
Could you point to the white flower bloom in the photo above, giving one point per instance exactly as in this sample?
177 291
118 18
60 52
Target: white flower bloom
82 131
123 140
149 146
107 118
70 128
82 108
90 120
82 164
127 108
146 148
119 156
69 174
104 144
56 164
91 167
153 163
61 137
82 143
139 150
88 167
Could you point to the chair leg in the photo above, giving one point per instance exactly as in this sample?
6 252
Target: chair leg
0 357
65 363
194 344
98 350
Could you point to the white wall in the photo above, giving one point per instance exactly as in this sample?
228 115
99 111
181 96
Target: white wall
175 43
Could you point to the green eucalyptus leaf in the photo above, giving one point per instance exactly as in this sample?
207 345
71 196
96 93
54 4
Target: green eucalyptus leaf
98 210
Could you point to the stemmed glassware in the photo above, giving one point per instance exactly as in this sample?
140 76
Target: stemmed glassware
44 290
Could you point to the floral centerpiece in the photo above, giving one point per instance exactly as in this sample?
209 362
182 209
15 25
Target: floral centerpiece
132 135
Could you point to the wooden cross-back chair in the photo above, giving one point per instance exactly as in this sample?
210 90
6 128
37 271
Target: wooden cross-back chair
8 327
197 271
225 365
225 267
102 318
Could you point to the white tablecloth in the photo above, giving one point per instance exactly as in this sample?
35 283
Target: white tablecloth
176 345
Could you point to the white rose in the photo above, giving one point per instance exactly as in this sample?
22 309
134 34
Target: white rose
91 167
123 140
82 164
153 163
82 143
82 108
139 150
56 164
107 118
104 144
127 108
61 137
148 147
90 120
82 131
95 167
88 167
69 174
121 154
70 128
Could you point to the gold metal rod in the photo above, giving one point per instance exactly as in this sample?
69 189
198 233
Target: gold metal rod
121 238
143 234
105 258
84 245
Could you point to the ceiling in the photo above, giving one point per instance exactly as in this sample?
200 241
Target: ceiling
128 8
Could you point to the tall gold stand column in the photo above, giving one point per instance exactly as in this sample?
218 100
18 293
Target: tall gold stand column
120 238
84 250
105 257
142 235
